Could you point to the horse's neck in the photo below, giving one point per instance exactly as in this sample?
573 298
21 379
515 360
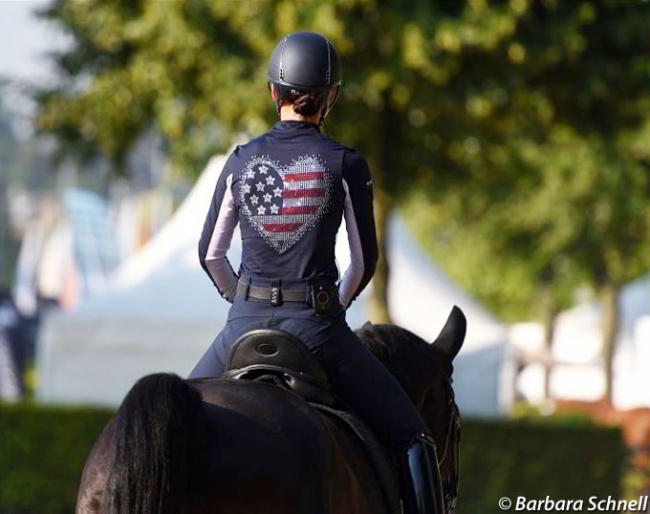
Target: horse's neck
416 386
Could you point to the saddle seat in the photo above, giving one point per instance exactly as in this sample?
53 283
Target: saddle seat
281 358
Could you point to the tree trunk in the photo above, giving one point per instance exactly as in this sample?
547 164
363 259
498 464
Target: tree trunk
548 315
379 309
609 328
384 206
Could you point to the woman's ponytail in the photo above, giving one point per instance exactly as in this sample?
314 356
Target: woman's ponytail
309 104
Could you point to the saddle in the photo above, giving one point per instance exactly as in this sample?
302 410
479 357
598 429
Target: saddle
280 358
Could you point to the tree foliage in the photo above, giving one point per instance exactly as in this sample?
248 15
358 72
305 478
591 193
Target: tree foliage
549 182
549 187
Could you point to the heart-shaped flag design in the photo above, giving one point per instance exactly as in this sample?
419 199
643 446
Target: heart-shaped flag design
284 202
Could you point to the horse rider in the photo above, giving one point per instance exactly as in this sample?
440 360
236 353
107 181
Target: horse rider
289 190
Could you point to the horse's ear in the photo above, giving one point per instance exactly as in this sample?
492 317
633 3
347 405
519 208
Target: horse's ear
451 337
367 325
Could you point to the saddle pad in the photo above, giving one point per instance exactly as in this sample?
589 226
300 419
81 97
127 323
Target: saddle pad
377 453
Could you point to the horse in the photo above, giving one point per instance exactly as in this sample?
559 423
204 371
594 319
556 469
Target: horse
247 447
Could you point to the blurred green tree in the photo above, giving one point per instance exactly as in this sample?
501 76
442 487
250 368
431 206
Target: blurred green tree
551 178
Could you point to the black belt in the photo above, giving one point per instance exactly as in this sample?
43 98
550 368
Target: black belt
273 295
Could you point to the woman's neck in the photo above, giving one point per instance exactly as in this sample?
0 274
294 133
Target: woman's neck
288 114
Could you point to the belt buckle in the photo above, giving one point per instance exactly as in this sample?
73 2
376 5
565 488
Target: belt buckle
276 296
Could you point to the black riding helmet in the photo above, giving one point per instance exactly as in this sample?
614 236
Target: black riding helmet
304 62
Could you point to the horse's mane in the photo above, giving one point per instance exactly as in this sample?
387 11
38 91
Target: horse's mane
404 353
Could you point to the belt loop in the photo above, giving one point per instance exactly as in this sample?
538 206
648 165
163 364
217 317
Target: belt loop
248 288
308 293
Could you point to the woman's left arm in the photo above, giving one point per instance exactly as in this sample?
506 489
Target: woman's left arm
360 223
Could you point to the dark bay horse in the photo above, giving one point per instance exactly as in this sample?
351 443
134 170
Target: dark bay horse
242 447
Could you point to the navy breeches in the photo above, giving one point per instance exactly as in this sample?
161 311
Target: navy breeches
356 375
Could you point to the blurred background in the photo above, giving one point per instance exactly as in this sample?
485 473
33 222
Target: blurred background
509 143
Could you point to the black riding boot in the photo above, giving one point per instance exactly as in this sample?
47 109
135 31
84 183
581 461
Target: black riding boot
421 484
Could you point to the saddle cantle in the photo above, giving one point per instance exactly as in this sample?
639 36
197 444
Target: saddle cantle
281 358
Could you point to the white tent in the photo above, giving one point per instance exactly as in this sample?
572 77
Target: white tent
161 312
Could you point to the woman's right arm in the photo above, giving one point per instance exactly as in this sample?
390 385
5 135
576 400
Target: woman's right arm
218 228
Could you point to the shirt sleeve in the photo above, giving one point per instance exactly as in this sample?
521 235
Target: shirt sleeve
216 237
360 223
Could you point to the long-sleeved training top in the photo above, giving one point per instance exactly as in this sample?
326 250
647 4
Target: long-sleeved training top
289 189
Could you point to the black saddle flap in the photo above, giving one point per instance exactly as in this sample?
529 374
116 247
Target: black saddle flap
275 348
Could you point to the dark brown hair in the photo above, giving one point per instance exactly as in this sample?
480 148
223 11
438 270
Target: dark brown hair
307 104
